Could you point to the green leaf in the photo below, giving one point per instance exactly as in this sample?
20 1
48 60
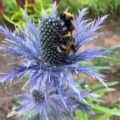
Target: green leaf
8 19
109 84
81 116
27 116
103 117
103 91
16 16
101 109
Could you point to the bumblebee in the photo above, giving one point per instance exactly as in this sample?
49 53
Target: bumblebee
68 20
68 45
68 49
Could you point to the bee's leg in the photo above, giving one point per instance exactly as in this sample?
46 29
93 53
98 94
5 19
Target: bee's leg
61 48
72 40
64 29
68 34
73 25
73 48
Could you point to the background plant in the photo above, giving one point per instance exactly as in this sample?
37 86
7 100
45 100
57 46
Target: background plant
11 10
95 7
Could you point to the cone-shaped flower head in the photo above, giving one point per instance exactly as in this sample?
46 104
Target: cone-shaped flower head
51 37
50 56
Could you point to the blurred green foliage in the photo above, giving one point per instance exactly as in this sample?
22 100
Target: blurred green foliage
95 7
95 103
112 59
12 12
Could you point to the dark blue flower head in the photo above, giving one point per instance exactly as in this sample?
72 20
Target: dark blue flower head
48 69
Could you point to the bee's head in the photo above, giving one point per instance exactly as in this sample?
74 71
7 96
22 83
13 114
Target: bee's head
66 16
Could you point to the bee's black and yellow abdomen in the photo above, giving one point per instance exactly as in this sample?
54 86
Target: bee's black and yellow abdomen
70 26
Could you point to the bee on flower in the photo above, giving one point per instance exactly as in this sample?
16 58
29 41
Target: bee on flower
51 56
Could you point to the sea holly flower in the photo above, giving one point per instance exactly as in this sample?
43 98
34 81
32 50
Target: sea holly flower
50 72
51 106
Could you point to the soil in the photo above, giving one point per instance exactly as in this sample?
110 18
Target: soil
110 36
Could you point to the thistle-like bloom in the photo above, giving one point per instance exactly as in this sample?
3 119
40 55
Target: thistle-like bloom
51 106
53 94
